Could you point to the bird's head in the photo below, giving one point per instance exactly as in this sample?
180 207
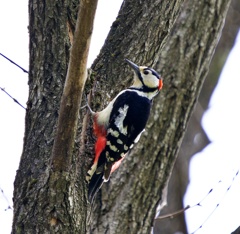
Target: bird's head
145 78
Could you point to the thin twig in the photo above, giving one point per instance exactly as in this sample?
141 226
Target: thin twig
5 197
172 215
14 63
15 100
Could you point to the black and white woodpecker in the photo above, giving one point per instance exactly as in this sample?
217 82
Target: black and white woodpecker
119 126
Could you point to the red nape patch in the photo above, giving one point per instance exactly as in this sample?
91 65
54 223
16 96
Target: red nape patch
99 147
160 85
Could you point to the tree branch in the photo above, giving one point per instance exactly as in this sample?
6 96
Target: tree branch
74 85
173 214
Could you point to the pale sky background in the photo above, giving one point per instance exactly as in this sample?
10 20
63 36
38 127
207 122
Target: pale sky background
219 161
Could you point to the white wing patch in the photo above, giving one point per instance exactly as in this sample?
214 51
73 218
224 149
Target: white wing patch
119 120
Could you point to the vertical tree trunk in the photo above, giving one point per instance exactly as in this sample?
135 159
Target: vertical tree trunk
195 138
128 202
34 211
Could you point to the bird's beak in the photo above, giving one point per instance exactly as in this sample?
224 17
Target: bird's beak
133 66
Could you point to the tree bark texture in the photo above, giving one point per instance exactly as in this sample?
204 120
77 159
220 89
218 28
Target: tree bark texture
126 204
195 138
34 210
64 167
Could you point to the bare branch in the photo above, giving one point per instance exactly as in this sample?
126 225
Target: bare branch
72 93
24 70
172 215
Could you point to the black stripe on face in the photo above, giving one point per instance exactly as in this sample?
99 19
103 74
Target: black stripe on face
140 77
152 71
144 89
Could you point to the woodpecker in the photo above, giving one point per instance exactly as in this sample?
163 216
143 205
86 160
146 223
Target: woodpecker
119 126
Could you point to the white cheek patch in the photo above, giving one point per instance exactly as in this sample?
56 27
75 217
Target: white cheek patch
150 81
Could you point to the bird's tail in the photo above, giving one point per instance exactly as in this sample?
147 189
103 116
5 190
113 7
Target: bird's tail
94 185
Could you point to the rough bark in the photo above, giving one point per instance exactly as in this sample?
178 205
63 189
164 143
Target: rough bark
128 202
195 138
65 170
139 34
64 174
34 209
237 231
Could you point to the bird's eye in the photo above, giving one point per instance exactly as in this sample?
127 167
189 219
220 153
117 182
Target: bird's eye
145 72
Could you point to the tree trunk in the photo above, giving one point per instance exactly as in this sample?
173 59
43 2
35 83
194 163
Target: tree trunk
127 204
195 138
35 207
